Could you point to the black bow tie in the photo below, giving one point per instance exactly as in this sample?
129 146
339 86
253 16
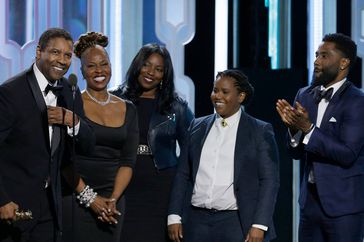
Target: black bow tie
56 89
320 94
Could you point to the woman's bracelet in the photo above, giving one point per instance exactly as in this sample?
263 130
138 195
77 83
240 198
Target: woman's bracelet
87 196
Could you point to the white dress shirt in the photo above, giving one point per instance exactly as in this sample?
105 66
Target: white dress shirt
320 114
214 185
214 188
50 99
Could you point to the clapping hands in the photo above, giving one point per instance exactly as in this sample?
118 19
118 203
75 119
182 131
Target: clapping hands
295 118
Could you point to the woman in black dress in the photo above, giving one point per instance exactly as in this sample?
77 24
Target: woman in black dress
163 121
108 169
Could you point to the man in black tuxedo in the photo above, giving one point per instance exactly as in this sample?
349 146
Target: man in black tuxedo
36 128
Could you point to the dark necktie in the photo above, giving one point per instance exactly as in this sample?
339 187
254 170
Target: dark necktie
56 89
320 94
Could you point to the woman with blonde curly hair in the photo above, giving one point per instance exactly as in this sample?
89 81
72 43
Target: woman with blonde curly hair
106 172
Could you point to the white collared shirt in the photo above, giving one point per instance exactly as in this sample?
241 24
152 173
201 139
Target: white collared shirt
50 99
322 106
214 186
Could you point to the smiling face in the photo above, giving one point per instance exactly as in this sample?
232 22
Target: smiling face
330 66
55 59
225 97
151 74
96 68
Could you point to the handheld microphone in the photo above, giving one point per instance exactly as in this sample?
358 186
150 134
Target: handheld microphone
72 78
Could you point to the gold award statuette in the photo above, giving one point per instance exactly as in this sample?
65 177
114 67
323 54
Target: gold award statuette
23 215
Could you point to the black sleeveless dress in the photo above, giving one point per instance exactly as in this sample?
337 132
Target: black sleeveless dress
115 147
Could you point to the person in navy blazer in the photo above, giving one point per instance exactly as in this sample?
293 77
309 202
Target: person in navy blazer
326 132
30 159
232 158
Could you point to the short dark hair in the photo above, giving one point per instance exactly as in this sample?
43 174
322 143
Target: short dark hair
344 44
131 87
51 34
241 82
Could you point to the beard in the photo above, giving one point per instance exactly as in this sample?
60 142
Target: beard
326 76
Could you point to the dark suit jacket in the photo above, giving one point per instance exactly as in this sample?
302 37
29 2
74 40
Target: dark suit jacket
26 157
256 174
335 151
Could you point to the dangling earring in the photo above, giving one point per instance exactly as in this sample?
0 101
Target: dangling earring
161 85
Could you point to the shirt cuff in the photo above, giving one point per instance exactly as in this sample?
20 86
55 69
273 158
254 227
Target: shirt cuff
295 139
77 128
307 137
174 219
259 226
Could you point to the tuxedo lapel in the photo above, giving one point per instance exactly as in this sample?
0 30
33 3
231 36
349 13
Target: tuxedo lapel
207 126
56 138
242 139
203 131
37 93
61 101
56 135
334 100
38 97
311 106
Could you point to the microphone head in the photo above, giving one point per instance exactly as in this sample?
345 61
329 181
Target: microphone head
72 78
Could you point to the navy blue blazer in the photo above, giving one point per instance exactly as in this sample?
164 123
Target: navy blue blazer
26 156
335 151
256 171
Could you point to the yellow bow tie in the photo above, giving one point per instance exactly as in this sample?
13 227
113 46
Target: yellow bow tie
224 123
